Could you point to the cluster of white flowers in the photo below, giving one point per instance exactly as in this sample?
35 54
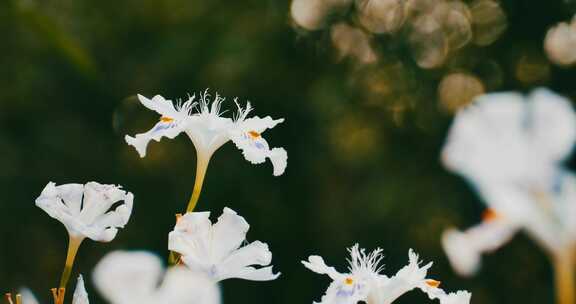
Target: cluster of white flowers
203 253
207 253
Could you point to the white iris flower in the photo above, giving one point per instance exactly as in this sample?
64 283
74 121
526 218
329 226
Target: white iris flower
203 123
512 149
364 283
216 249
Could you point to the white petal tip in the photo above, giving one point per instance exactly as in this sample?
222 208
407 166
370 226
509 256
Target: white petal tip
279 158
138 145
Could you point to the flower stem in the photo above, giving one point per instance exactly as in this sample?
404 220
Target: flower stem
201 167
73 245
564 277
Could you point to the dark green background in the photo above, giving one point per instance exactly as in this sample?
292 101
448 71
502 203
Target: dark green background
358 171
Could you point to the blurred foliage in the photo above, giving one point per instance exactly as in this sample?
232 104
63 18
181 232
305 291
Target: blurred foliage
363 166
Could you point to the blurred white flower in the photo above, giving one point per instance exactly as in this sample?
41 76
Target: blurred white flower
464 249
364 283
504 138
80 295
560 43
139 278
512 150
215 249
208 130
90 210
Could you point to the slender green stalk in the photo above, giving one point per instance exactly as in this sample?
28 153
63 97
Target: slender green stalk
201 167
73 245
564 277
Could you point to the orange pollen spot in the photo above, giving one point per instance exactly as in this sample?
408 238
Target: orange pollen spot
166 119
254 134
490 215
348 281
433 283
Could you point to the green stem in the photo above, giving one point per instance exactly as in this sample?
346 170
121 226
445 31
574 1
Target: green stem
201 167
73 245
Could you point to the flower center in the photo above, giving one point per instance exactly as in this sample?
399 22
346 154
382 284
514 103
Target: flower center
166 119
433 283
254 134
490 215
348 281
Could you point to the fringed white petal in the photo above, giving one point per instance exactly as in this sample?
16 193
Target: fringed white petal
459 297
316 264
434 292
406 279
169 129
247 136
160 105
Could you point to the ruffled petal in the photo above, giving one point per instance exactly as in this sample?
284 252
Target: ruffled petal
316 264
213 249
192 237
80 294
71 195
406 279
279 159
160 105
459 297
169 128
172 122
247 136
237 265
228 233
253 274
434 292
51 202
258 124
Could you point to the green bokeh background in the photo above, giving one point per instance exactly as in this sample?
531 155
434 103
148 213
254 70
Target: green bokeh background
359 170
